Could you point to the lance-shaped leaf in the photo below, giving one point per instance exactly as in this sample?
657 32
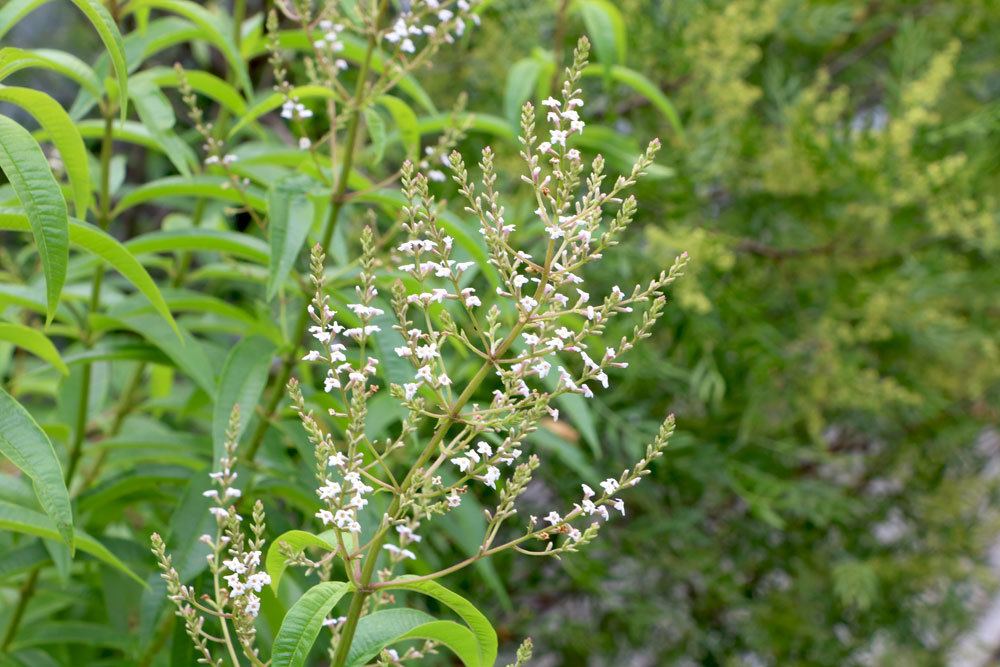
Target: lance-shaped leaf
291 213
485 635
241 384
389 626
12 11
24 520
406 123
60 128
303 622
13 59
25 444
107 29
22 160
297 540
105 246
33 341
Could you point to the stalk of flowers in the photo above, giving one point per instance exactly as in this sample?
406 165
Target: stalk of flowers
534 343
237 579
541 315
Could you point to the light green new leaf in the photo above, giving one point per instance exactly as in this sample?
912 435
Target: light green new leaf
606 28
211 187
276 562
23 520
291 214
486 636
389 626
13 59
25 444
60 128
33 341
22 160
406 123
108 32
241 383
376 132
213 28
303 622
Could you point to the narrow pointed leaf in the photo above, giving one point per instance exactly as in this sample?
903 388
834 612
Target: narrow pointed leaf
13 59
241 384
291 214
106 28
33 341
389 626
23 520
63 133
303 622
276 562
486 636
25 444
22 160
406 123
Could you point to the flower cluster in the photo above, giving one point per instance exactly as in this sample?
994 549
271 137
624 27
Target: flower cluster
234 559
434 19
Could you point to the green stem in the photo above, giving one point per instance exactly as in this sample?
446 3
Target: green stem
336 207
27 590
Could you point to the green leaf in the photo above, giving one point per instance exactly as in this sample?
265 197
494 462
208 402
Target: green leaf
303 622
179 345
276 562
25 444
101 244
485 635
51 116
22 160
376 132
275 100
157 115
214 28
291 214
522 78
33 341
406 123
13 59
642 85
14 10
204 83
108 32
389 626
241 383
173 240
606 29
210 187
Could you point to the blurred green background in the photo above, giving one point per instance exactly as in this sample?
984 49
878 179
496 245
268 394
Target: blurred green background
832 355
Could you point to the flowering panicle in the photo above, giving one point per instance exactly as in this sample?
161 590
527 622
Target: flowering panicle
522 316
234 561
537 339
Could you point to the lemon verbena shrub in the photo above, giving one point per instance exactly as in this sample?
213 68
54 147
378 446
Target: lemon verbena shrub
536 337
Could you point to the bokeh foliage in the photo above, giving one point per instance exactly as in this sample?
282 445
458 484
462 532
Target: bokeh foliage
832 355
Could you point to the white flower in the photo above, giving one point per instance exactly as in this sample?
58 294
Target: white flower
558 137
410 390
553 517
463 463
454 500
551 103
610 485
313 355
252 607
619 505
235 565
587 491
491 476
219 512
484 448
